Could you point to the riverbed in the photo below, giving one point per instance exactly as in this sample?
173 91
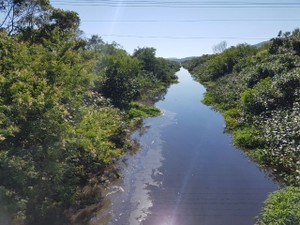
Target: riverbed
187 172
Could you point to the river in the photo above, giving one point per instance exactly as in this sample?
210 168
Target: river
187 171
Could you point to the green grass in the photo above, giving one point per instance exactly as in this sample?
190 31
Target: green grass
139 111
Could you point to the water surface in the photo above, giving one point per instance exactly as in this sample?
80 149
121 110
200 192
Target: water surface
187 172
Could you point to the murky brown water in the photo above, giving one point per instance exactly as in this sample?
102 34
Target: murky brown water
187 172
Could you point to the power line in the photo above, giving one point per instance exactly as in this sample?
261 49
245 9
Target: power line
183 37
177 4
190 21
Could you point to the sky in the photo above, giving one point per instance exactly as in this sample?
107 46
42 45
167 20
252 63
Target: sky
178 28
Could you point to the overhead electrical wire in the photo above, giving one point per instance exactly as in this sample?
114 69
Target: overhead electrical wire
182 37
177 4
180 4
190 21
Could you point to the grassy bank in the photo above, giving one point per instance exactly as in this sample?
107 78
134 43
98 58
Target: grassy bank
258 92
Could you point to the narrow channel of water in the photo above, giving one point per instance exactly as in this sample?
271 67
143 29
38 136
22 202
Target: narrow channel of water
187 172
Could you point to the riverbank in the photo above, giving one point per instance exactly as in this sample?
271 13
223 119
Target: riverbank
67 104
257 91
106 182
181 175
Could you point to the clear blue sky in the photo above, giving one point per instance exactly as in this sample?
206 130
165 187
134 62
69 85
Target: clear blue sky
178 28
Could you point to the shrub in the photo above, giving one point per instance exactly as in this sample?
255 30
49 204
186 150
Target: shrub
139 111
282 208
208 99
248 138
231 118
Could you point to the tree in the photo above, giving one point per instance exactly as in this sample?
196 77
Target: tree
94 43
218 48
146 57
121 84
20 14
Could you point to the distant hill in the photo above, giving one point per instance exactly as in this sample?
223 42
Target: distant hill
260 44
182 59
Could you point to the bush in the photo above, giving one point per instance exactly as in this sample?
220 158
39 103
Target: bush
139 111
231 118
208 98
282 208
247 138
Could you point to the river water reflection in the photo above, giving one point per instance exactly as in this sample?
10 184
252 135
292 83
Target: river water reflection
187 172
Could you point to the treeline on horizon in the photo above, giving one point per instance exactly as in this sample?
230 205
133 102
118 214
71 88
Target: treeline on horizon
257 89
66 107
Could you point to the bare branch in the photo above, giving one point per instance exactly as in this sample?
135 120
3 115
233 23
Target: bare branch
220 47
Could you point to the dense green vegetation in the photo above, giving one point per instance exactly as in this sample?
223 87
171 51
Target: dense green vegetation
282 208
66 104
258 92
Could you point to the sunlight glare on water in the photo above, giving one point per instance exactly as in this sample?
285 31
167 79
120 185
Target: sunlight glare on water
187 172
